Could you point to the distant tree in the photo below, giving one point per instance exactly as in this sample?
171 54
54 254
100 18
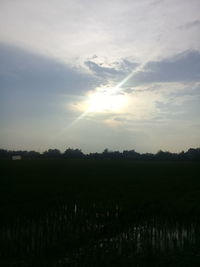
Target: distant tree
52 153
161 155
147 156
32 154
193 154
73 153
181 155
130 154
4 153
106 151
116 155
94 155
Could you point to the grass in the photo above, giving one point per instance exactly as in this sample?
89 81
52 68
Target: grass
75 211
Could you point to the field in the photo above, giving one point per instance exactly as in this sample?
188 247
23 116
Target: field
99 213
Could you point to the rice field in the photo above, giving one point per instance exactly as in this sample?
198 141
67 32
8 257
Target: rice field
99 213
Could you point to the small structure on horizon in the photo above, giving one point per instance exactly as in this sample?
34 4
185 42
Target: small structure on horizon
16 157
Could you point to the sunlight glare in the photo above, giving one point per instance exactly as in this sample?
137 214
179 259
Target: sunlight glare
105 102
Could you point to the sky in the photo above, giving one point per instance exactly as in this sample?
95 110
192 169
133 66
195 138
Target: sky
117 74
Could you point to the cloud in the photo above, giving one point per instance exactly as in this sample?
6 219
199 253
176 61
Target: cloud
183 67
156 2
115 28
25 70
162 89
189 25
128 65
116 70
99 70
34 87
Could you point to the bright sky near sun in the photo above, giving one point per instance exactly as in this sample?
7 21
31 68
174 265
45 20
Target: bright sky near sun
120 74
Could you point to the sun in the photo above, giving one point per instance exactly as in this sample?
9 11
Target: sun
105 101
101 100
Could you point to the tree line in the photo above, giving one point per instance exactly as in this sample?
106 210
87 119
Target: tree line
70 153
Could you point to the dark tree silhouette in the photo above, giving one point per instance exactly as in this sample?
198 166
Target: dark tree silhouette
52 153
70 153
73 153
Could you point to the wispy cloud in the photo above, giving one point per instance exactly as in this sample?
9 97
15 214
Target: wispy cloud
78 29
189 25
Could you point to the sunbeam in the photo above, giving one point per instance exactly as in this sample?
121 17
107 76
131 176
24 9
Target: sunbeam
107 99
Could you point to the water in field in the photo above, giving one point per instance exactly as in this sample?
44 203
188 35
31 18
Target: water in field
70 235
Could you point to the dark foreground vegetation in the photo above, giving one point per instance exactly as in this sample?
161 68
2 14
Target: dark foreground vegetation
75 212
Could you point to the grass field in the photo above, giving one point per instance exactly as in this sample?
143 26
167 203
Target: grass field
95 213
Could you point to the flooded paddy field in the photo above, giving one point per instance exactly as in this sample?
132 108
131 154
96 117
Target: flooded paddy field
99 213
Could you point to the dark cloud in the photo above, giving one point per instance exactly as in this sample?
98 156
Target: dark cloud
99 70
121 68
184 67
35 87
24 70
